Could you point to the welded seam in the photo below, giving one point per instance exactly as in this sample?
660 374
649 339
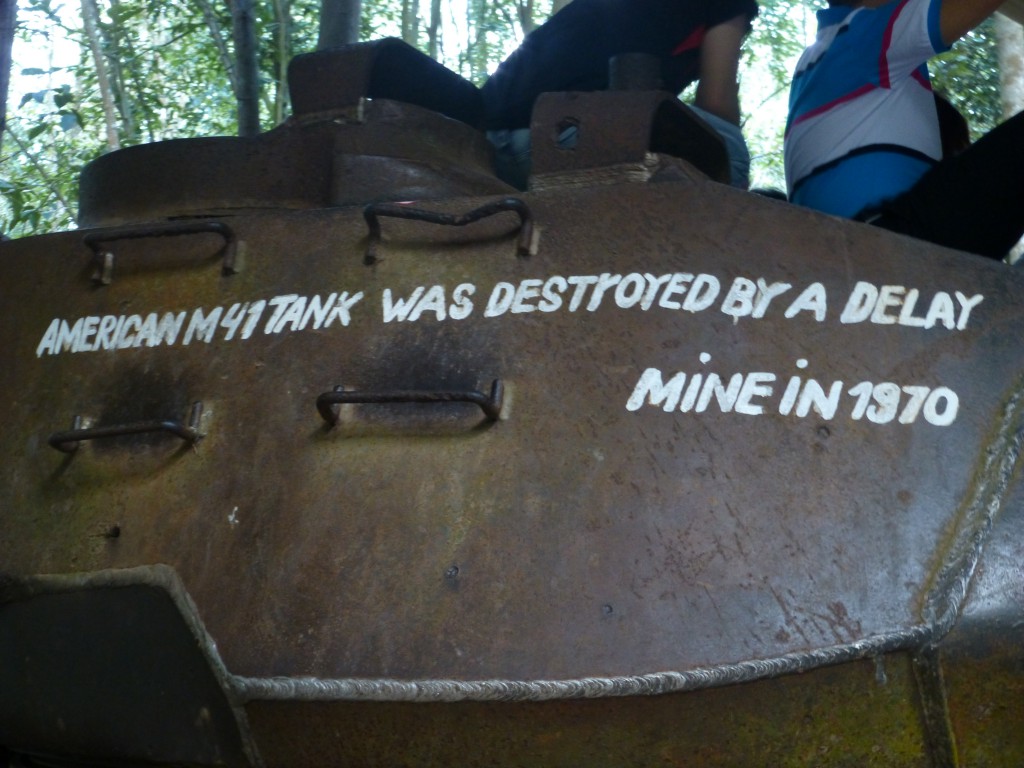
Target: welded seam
952 580
948 593
942 608
356 689
245 689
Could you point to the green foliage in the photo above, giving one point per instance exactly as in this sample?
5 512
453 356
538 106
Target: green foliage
37 187
781 31
778 37
385 19
968 76
169 80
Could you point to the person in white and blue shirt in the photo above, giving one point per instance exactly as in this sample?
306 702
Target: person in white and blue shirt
863 139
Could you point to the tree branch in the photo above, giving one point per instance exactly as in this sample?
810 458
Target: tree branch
44 175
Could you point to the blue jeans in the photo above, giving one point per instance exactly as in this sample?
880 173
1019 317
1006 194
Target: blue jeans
735 145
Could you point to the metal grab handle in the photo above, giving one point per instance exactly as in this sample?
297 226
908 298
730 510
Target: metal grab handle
373 211
104 258
490 404
69 440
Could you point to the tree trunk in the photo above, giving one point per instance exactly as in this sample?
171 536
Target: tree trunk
434 30
410 22
113 38
243 30
283 12
339 23
524 9
1010 39
477 53
8 19
91 23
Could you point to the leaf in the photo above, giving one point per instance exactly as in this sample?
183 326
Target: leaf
69 121
37 97
63 96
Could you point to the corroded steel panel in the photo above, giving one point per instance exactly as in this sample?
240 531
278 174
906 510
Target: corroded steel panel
620 127
983 669
379 150
652 537
669 461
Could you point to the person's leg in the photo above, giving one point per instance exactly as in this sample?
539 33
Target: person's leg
512 156
735 145
973 201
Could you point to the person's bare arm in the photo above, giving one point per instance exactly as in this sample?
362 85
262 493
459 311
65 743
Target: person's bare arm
718 87
958 17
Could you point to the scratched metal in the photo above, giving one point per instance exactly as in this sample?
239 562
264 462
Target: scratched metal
572 538
418 579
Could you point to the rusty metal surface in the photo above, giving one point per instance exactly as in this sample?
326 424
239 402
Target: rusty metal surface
376 150
606 471
374 212
620 127
984 671
584 535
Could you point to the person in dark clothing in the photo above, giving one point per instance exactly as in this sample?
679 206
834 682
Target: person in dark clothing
954 131
695 40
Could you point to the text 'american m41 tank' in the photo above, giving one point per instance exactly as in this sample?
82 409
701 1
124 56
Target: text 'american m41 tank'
327 447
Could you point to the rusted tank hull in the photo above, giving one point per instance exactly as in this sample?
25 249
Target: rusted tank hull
614 562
